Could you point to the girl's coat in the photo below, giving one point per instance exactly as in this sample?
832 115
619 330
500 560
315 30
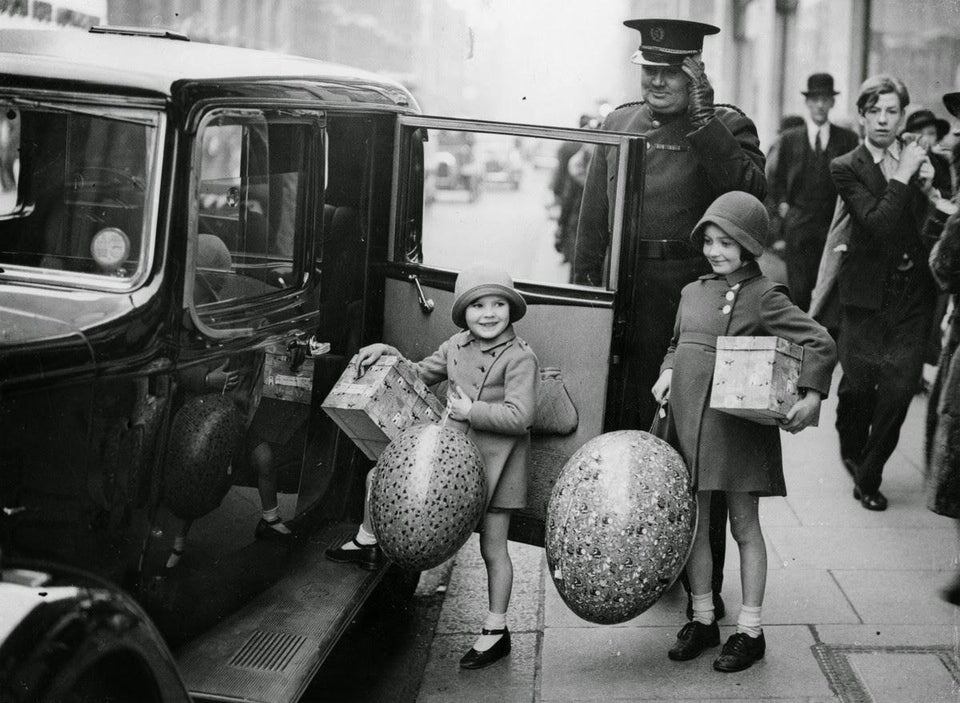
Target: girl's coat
722 451
500 376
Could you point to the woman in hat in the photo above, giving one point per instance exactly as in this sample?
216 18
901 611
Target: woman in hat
492 376
724 452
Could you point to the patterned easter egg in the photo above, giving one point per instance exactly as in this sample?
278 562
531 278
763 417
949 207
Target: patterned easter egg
620 524
427 495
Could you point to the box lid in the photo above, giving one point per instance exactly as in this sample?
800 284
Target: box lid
768 343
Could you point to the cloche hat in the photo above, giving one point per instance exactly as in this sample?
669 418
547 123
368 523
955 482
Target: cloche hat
479 280
741 216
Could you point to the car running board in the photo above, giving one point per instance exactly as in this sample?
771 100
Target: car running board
270 649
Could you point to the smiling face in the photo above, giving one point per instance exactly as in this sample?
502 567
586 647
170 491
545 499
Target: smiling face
723 253
664 89
487 317
882 121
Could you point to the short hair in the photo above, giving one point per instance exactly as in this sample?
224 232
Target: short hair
875 86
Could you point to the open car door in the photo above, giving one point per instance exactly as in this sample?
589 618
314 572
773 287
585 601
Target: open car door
509 195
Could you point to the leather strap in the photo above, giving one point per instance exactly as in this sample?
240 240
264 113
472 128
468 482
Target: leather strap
485 631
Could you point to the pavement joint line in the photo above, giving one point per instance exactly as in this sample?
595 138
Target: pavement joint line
541 629
815 633
846 597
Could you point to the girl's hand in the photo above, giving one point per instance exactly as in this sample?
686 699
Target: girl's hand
222 380
803 412
368 356
661 389
459 404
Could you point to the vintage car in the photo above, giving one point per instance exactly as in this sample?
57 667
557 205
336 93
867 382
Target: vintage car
452 163
181 227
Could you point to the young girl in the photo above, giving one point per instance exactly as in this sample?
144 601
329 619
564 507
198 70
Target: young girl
492 375
725 452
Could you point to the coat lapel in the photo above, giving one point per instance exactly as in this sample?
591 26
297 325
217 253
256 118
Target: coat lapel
870 171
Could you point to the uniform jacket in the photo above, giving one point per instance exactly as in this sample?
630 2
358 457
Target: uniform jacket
500 376
684 171
786 178
887 217
943 412
722 451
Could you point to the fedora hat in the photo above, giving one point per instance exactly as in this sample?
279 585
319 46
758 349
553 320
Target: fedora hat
819 84
952 102
741 216
479 280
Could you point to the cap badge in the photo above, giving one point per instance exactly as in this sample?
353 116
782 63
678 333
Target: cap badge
656 33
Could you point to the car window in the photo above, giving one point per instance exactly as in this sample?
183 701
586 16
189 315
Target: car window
76 191
252 170
512 201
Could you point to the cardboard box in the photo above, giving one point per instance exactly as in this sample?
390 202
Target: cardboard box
374 408
281 381
756 377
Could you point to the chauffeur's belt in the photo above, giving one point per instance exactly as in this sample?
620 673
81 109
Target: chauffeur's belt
665 249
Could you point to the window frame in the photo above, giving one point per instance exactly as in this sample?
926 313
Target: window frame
401 215
243 316
148 113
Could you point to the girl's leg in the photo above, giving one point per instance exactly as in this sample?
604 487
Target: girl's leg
262 459
745 527
363 547
700 564
493 549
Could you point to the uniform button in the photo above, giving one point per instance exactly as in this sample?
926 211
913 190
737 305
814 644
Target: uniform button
656 123
730 295
726 309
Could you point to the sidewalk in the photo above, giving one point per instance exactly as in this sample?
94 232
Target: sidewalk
852 611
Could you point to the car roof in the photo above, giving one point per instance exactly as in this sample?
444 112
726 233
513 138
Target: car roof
155 64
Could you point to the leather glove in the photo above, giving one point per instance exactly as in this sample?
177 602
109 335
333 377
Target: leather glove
700 108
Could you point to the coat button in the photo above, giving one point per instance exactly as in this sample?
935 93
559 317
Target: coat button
726 309
655 123
736 287
730 295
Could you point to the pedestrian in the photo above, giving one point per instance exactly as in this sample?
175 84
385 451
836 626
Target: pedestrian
777 243
567 187
726 453
696 151
492 376
801 187
943 426
886 293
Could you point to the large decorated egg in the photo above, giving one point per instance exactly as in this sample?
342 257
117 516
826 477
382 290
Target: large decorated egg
427 495
620 524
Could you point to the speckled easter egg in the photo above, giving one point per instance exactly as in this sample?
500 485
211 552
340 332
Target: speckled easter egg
427 495
620 523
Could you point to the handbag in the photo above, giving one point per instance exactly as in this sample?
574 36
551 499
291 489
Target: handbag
556 413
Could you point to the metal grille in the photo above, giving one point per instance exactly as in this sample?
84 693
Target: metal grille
267 651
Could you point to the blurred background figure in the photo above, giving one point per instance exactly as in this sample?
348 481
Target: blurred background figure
777 243
567 187
800 185
930 130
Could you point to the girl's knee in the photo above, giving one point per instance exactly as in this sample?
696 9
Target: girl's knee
745 529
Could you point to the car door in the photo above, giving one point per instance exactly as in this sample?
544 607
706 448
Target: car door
468 191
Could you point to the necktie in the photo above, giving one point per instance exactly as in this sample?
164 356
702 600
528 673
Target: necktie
817 146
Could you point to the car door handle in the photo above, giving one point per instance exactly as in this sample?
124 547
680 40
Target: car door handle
426 304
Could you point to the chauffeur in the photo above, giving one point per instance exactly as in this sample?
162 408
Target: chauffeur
696 151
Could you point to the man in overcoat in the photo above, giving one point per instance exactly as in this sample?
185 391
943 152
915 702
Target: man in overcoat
696 151
887 294
801 187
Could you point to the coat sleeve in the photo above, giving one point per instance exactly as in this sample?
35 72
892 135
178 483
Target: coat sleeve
515 415
433 369
776 170
593 233
945 256
672 349
780 317
879 216
728 150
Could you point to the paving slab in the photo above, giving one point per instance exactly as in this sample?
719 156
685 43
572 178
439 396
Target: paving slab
946 633
794 597
862 547
906 510
904 678
897 596
618 663
510 679
668 611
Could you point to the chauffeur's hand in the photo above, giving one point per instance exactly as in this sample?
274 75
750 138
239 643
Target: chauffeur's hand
700 108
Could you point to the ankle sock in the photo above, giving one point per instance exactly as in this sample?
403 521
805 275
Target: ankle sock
272 518
178 543
494 621
703 607
748 621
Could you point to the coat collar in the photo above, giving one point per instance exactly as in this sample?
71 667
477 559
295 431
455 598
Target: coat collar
485 345
749 270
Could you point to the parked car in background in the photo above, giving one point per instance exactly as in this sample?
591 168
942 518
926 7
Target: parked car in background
453 164
501 162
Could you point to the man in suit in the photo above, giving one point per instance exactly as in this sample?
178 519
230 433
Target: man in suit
887 294
801 187
696 151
